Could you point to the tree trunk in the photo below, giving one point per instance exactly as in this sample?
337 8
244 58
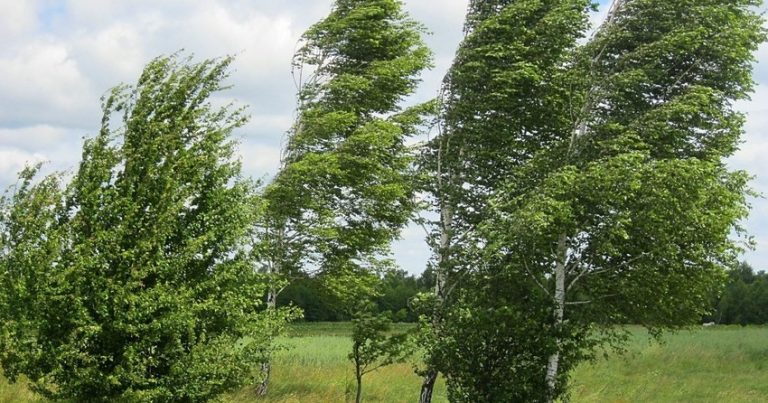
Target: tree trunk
273 267
359 395
266 366
266 369
446 224
428 386
554 359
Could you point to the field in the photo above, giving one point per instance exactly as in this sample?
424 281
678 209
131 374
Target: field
721 364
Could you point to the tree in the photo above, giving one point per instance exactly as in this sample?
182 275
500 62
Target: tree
582 184
372 348
623 211
30 243
345 188
745 299
316 302
499 105
145 291
397 290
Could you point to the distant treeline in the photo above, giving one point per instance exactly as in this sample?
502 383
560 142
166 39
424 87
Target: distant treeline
744 300
395 293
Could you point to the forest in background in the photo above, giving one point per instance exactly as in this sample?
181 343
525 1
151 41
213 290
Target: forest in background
744 300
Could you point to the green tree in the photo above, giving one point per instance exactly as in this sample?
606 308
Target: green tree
745 299
146 292
583 184
397 290
499 105
316 302
345 187
372 348
623 213
31 239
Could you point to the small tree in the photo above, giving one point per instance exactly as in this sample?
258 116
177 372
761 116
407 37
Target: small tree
372 348
145 287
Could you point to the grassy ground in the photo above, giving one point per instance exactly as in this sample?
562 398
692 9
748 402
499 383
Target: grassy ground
722 364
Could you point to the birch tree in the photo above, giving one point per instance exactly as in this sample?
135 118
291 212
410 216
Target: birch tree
345 187
499 106
624 213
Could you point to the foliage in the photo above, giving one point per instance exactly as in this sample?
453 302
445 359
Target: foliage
495 331
145 287
317 304
745 299
395 291
587 181
31 238
345 190
372 348
499 106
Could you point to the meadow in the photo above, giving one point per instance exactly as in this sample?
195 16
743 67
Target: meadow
718 364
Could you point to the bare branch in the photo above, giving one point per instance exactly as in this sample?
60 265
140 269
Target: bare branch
525 264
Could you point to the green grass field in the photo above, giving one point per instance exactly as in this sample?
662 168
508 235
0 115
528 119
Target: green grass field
721 364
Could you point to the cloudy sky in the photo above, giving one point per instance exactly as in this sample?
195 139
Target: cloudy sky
58 57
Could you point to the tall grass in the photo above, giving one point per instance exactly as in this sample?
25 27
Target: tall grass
316 369
721 364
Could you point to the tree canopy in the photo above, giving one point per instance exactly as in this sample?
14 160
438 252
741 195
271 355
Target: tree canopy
590 180
147 280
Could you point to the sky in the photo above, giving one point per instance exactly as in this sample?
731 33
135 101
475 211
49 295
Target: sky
58 57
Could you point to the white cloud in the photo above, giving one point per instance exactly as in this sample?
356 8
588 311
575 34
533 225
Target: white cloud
43 83
59 56
411 251
58 147
17 18
34 137
14 160
113 54
259 160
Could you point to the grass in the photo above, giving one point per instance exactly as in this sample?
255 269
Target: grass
720 364
314 368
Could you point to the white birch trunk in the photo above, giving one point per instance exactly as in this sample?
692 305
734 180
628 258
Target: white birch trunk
560 273
274 267
446 223
580 129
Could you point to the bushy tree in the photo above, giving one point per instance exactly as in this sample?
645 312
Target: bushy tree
593 186
146 289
